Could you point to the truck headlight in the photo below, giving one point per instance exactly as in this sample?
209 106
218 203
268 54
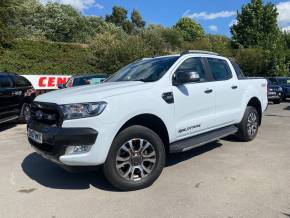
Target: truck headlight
82 110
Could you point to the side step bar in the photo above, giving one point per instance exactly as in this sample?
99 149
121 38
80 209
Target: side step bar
196 141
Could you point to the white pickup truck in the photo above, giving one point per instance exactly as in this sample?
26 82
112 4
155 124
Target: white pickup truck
146 110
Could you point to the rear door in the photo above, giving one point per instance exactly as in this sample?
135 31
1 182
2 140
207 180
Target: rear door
228 93
8 99
194 102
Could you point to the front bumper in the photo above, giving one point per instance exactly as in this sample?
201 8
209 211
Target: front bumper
277 96
57 139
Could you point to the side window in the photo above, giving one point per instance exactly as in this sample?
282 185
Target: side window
238 70
21 81
220 69
5 82
193 65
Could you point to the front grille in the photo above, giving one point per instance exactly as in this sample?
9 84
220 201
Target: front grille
46 113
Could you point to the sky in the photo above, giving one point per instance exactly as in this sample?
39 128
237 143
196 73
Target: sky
215 16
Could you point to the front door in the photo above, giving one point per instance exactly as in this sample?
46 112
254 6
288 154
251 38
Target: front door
194 102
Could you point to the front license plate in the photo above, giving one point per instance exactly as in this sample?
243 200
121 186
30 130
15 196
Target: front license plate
272 93
34 135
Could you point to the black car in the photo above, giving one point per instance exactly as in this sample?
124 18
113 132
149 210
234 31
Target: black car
275 93
283 82
83 80
16 95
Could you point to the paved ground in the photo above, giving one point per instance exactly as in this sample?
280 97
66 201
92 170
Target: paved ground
222 179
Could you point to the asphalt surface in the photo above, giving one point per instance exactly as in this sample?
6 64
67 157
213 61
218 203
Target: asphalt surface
222 179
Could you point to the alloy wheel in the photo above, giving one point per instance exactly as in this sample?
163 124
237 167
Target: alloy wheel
136 159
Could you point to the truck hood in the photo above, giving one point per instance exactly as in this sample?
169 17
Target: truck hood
92 93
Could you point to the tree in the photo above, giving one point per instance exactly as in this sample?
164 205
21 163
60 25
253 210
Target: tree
256 25
189 29
62 22
118 16
220 44
9 10
137 19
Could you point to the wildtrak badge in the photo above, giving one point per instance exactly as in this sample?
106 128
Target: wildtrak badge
189 128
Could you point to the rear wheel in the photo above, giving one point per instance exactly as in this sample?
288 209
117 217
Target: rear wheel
135 160
248 128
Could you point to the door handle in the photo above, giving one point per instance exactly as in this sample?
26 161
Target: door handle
234 87
208 91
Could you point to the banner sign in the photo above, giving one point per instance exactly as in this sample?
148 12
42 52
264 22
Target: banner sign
40 82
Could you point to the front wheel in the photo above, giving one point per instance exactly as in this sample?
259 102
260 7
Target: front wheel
248 128
25 113
135 160
277 101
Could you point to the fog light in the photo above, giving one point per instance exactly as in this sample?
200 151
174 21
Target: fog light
78 149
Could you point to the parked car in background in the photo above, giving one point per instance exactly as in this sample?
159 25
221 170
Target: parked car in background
284 82
16 95
149 108
275 93
83 80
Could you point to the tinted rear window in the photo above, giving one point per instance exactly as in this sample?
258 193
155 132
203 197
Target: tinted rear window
220 69
21 81
5 82
238 70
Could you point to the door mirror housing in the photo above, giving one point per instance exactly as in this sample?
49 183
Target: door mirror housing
185 77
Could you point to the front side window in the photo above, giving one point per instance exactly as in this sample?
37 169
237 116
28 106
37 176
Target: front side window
5 82
192 65
148 70
220 69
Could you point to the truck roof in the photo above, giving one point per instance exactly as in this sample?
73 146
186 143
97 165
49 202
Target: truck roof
202 52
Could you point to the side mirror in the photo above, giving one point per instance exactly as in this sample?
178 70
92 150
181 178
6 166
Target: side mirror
61 86
185 77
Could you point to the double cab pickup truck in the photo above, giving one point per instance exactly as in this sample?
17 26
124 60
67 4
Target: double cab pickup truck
146 110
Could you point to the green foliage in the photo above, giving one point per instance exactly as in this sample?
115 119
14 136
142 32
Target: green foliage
31 57
256 25
253 61
30 36
9 11
118 16
137 20
189 29
113 51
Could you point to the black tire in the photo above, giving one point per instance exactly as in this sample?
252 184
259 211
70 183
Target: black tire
25 114
135 133
277 101
244 133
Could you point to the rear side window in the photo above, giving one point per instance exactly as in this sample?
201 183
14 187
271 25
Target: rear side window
238 70
220 69
193 65
21 81
5 82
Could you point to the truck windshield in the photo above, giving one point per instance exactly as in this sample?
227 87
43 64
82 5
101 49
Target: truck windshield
147 70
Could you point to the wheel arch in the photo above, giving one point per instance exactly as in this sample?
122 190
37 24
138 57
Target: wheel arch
256 103
152 122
